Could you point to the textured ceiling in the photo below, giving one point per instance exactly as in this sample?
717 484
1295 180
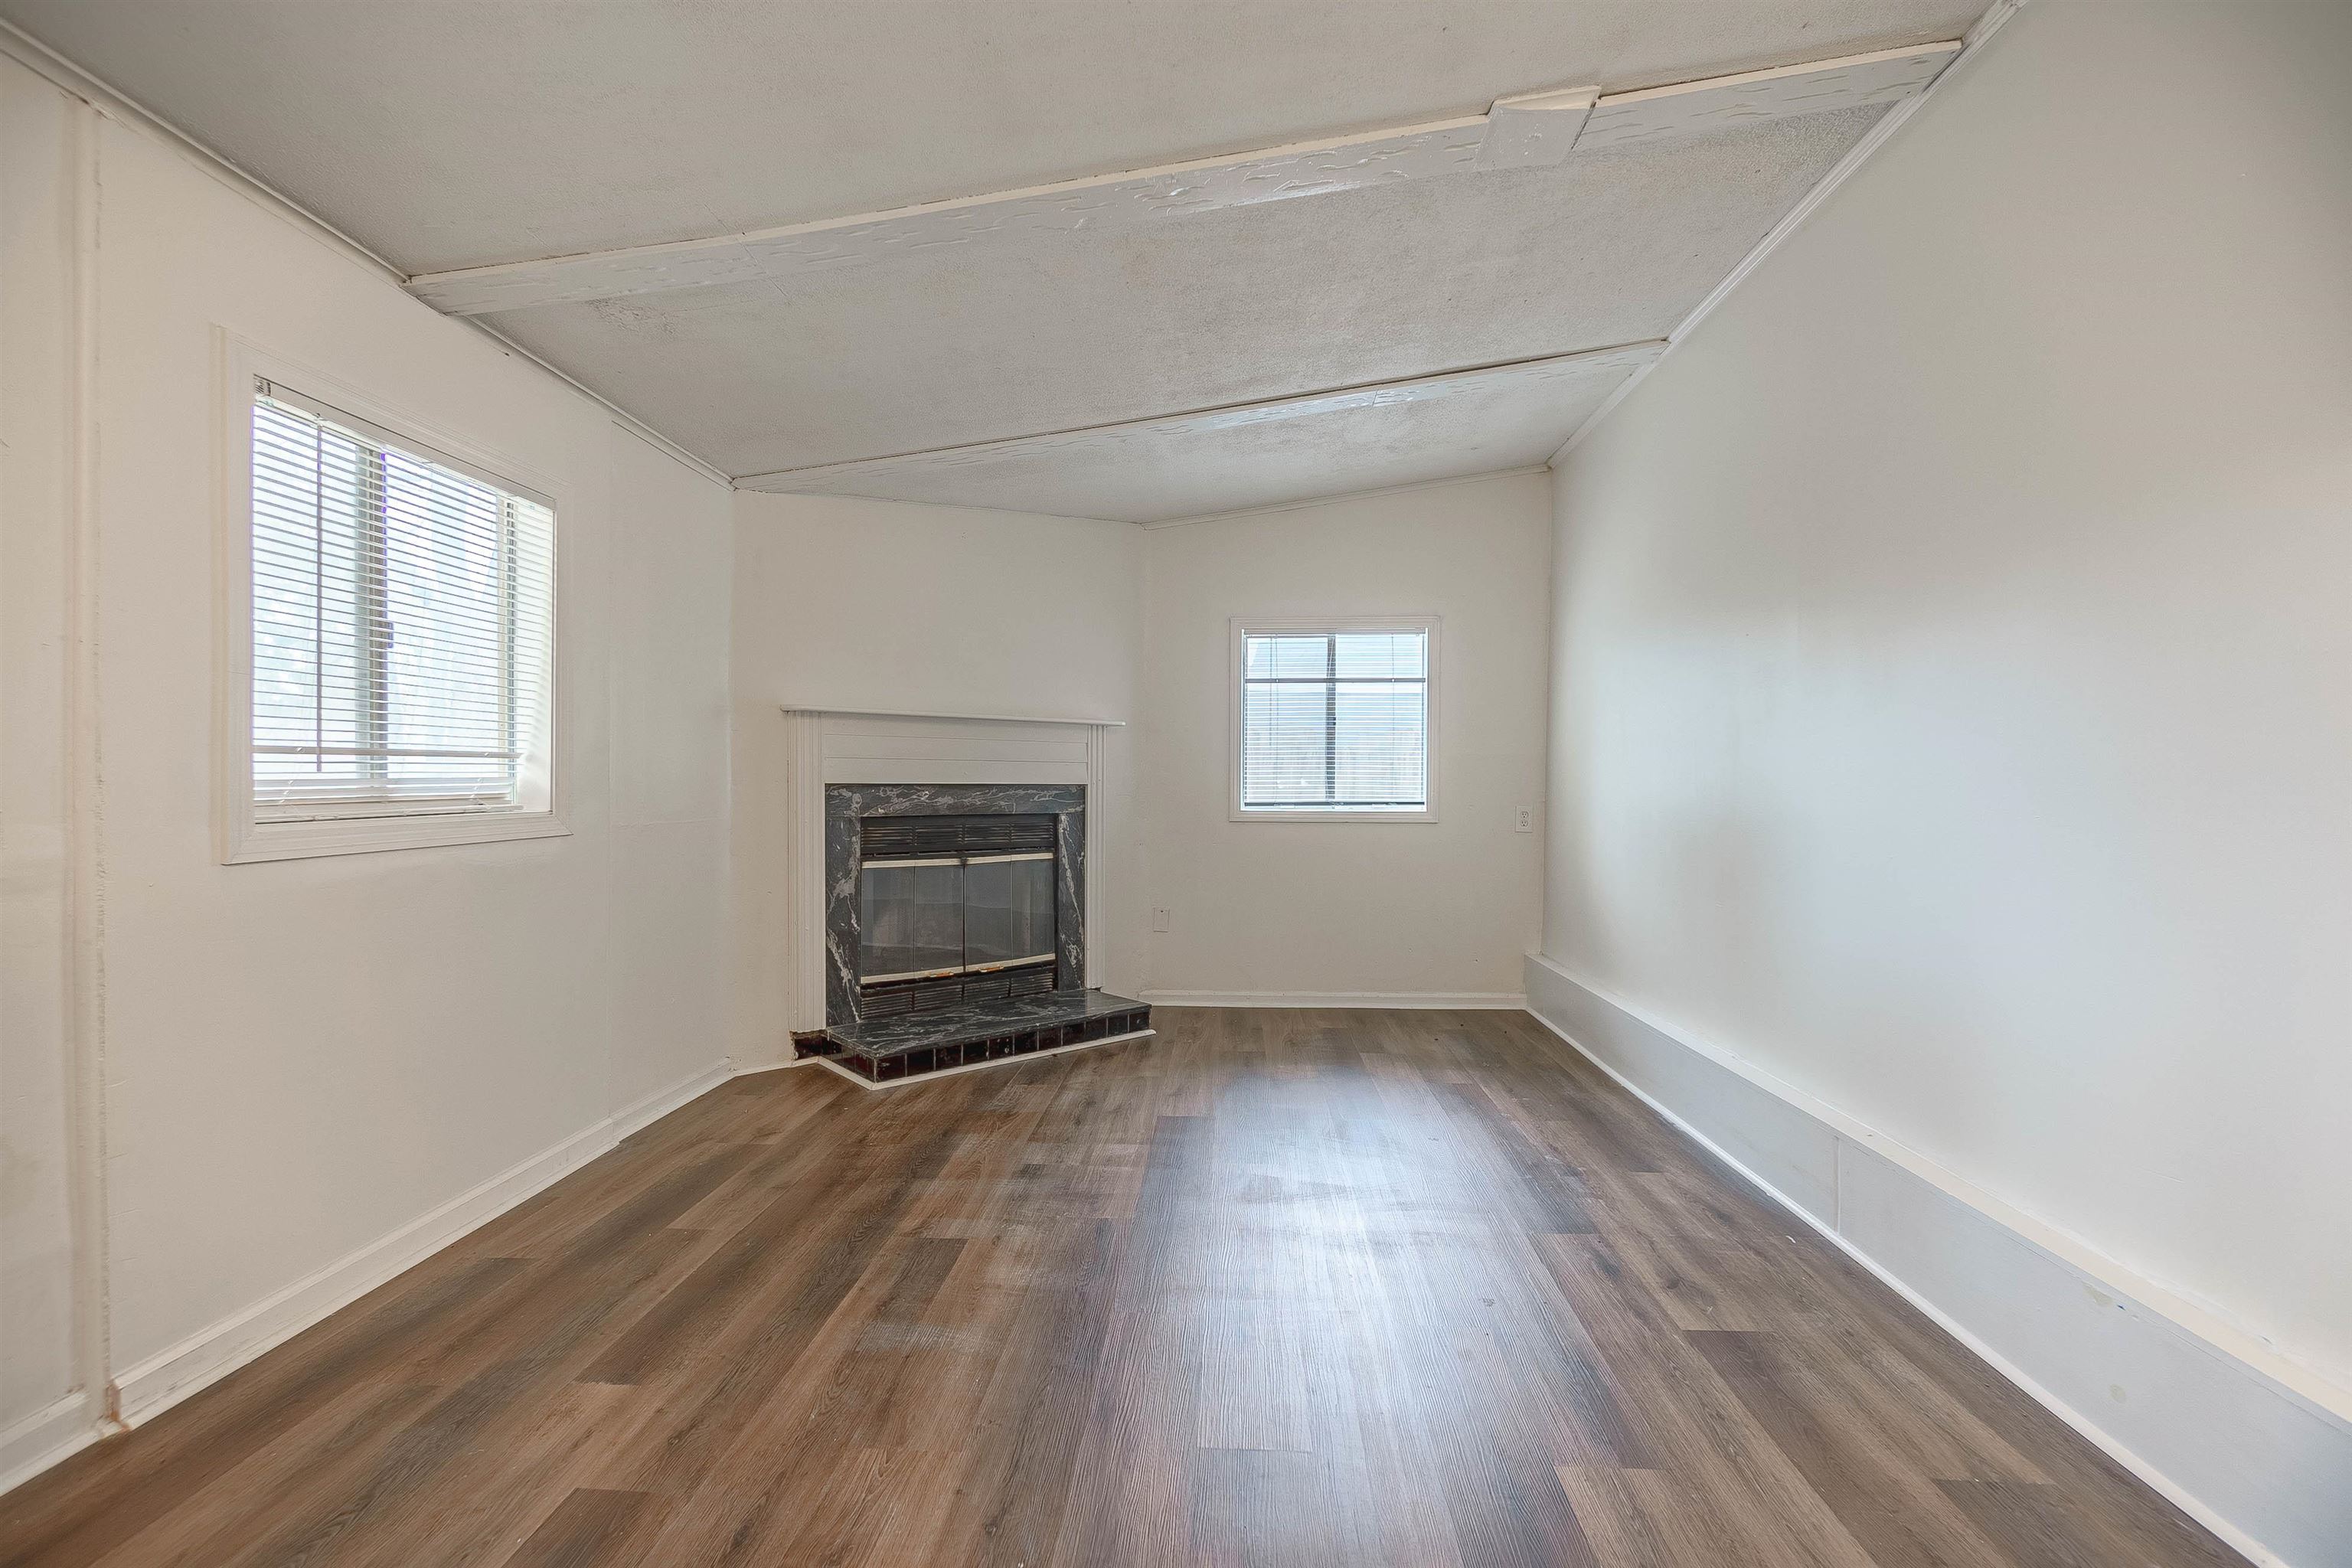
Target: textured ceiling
450 133
984 342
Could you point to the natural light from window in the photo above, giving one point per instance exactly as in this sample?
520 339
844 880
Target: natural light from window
402 627
1335 721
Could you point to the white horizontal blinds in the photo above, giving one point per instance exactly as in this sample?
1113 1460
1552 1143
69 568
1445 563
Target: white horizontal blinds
401 627
1335 721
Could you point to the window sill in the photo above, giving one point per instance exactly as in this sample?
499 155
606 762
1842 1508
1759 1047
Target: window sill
1240 814
366 836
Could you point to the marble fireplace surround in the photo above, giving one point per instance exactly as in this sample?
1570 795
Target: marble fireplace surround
865 747
846 809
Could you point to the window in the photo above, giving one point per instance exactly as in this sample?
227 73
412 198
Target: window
401 641
1333 720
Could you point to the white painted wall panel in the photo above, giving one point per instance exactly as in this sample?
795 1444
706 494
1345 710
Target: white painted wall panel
37 198
1277 909
1951 703
1950 711
312 1068
674 548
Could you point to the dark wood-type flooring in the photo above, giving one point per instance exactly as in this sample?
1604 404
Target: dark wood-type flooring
1290 1288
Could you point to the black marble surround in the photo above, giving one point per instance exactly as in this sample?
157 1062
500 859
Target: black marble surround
846 804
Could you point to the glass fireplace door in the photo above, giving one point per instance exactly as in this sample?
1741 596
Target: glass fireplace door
956 909
910 919
1008 910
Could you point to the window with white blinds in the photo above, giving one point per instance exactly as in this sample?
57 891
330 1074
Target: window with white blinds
1334 720
403 626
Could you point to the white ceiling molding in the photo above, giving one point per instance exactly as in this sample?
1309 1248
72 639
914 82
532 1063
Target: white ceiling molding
1528 131
1530 374
1691 107
1855 156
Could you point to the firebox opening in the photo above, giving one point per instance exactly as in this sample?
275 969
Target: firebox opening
953 910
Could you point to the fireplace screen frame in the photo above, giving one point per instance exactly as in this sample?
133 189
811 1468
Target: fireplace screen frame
954 910
985 809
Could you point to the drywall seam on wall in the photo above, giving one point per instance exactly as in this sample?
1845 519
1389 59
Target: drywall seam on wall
1464 1001
1795 218
85 880
2253 1457
171 1376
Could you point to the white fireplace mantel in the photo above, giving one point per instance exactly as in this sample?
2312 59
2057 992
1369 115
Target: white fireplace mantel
973 718
829 746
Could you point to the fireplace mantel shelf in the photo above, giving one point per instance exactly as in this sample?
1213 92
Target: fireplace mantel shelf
978 718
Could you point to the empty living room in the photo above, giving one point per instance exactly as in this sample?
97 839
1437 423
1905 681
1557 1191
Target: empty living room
1175 784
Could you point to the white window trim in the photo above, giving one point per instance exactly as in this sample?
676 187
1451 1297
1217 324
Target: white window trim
1245 626
241 839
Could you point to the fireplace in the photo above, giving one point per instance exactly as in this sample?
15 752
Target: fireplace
953 910
943 896
938 924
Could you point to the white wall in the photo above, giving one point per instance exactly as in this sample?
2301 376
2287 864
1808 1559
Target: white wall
673 553
305 1057
38 196
891 605
1952 692
1435 910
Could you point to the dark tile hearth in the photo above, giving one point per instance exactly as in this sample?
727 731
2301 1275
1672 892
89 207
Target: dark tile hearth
884 1050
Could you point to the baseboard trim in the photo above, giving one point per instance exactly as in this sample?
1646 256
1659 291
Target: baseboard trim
161 1381
2253 1460
1451 1001
31 1444
632 1120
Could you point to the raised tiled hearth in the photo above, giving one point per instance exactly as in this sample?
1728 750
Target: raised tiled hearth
890 1051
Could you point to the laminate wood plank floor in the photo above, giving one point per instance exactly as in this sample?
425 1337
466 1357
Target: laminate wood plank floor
1289 1289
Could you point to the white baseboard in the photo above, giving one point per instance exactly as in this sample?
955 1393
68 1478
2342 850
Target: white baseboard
2236 1446
31 1444
162 1380
634 1119
1482 1001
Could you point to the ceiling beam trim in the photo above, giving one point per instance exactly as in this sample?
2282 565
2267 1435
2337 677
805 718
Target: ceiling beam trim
1563 368
1533 129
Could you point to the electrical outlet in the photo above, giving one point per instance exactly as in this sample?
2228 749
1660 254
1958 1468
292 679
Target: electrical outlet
1526 819
1159 920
